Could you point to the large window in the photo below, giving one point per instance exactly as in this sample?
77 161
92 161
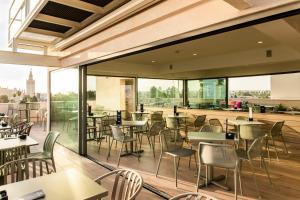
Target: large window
207 93
64 106
160 93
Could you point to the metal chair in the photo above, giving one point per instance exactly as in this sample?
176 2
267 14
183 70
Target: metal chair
48 148
118 135
192 196
275 132
206 128
173 148
199 121
255 150
215 122
156 117
218 155
11 154
250 132
105 130
22 169
138 117
154 130
127 184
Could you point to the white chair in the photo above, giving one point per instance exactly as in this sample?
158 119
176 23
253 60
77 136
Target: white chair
127 184
192 196
218 155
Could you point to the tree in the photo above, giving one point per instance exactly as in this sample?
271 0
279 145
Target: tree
91 95
4 99
153 92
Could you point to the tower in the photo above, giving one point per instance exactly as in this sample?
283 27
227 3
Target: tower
30 85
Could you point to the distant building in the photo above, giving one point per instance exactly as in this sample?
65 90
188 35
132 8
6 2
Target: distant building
30 85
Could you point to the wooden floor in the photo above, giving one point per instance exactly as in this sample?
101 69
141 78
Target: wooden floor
285 173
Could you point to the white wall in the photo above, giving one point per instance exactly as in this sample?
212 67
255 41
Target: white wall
108 92
285 86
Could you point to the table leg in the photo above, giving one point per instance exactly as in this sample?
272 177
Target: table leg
214 180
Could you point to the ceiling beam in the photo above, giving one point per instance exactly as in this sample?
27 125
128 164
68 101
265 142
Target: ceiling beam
80 5
239 4
44 32
57 20
32 42
16 58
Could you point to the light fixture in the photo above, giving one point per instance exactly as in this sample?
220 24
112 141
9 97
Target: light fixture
194 54
260 42
153 61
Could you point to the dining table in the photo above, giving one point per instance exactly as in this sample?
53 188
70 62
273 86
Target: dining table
94 119
11 142
131 125
195 137
67 185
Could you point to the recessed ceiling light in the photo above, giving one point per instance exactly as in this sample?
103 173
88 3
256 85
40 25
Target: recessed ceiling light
153 61
194 54
260 42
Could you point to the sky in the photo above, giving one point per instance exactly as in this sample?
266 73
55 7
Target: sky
14 76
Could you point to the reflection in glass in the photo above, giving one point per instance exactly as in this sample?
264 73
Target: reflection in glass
64 106
207 93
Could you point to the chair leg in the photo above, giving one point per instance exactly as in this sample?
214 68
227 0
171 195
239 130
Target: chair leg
195 157
175 170
275 148
268 149
266 170
53 164
153 145
283 141
206 176
141 141
254 178
235 183
158 165
100 142
226 176
198 178
109 149
240 178
120 154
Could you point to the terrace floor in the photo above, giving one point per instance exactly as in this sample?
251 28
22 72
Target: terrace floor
285 173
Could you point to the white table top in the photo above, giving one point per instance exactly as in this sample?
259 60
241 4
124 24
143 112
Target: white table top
16 142
66 185
133 123
207 137
244 122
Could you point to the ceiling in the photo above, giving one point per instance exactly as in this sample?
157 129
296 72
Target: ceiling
244 48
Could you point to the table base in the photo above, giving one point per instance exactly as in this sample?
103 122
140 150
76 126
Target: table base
134 153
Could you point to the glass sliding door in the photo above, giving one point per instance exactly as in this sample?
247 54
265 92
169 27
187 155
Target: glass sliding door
207 93
106 96
64 106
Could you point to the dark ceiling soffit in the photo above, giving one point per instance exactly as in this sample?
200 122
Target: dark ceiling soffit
215 32
49 26
66 12
100 3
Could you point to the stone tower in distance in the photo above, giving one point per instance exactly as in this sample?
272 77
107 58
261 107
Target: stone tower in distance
30 85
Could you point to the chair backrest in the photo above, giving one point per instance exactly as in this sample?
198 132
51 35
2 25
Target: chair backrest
169 141
277 128
22 169
172 123
156 127
206 128
256 148
215 122
250 131
156 117
50 142
14 119
192 196
199 121
241 118
127 184
117 132
28 128
219 155
138 117
16 153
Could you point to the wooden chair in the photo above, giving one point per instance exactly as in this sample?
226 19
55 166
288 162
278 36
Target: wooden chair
48 148
192 196
19 170
127 184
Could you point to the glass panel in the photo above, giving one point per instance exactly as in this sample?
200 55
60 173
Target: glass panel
64 106
106 95
208 93
160 93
